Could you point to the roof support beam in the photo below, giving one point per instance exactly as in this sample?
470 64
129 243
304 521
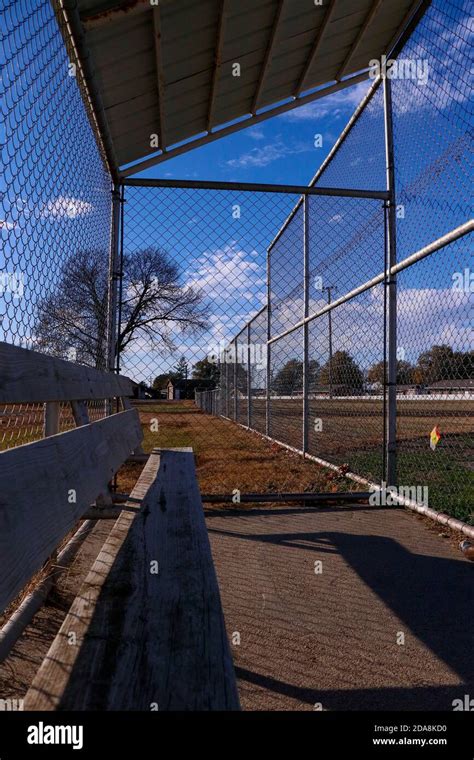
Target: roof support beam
258 187
345 132
109 13
314 50
412 17
268 57
70 25
262 116
159 78
366 23
217 63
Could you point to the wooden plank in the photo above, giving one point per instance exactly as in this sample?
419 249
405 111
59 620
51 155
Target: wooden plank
52 413
46 486
30 377
80 412
146 640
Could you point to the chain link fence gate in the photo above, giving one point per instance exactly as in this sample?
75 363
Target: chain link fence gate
55 207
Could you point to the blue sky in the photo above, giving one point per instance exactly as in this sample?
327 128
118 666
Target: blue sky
280 150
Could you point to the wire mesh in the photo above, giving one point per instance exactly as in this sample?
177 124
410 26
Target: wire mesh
204 254
55 203
436 370
258 371
343 374
209 276
24 423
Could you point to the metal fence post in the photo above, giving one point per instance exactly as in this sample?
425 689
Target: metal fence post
306 325
269 333
391 284
249 379
113 280
236 378
226 364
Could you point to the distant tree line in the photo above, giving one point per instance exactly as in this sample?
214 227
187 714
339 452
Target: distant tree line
342 372
439 363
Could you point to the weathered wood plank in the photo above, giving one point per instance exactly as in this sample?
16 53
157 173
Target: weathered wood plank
30 377
52 414
146 640
46 486
80 413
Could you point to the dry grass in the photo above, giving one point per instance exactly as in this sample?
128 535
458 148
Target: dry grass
227 456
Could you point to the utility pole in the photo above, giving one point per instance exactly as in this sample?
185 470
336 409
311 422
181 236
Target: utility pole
329 289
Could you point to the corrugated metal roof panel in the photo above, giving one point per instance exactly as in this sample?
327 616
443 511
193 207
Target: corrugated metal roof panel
163 60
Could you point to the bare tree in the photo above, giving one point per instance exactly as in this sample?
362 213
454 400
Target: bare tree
155 302
72 320
155 306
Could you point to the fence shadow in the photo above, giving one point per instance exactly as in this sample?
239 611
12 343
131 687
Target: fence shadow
431 596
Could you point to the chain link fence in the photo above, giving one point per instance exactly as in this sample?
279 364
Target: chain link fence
322 387
55 205
268 309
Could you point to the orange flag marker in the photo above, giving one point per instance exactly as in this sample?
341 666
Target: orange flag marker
435 437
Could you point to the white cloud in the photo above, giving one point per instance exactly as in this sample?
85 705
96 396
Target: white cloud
440 315
331 105
266 155
64 207
256 133
227 274
7 225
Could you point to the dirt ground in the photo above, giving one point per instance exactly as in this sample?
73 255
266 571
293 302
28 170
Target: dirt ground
289 627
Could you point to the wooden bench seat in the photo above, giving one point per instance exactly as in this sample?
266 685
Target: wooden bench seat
146 631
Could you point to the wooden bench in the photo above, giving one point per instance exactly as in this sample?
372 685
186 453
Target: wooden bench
46 486
147 628
146 631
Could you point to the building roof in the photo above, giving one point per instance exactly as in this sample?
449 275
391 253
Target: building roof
168 68
453 384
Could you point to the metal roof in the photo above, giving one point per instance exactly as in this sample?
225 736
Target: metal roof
168 67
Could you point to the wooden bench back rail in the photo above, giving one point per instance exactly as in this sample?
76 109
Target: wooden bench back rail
30 377
46 486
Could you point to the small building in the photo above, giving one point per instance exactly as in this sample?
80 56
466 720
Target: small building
140 390
454 387
409 389
185 389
